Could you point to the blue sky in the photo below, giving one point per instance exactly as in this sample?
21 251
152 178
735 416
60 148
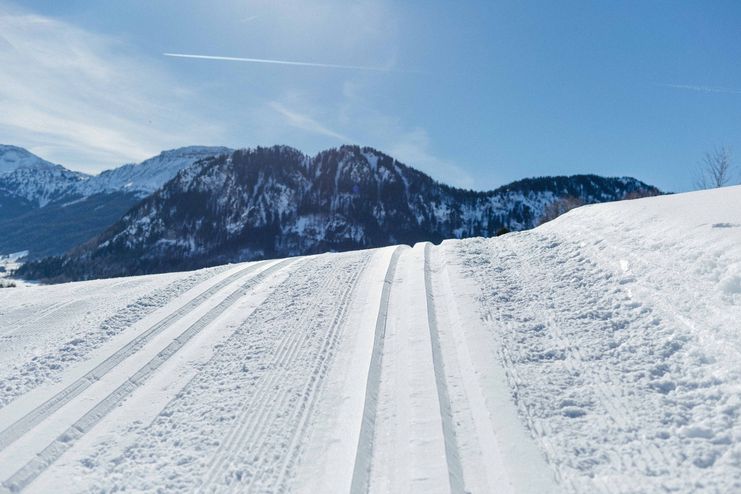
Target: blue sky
476 94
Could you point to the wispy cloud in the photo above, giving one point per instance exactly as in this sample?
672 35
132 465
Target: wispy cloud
307 123
90 101
411 144
355 120
414 148
83 99
279 62
702 89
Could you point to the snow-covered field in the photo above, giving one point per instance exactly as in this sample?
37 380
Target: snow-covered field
598 353
8 264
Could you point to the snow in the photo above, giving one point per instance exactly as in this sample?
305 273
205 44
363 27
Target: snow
48 328
8 264
149 175
14 157
27 176
597 353
620 338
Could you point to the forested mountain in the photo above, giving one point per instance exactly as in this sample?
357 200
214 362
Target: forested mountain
277 202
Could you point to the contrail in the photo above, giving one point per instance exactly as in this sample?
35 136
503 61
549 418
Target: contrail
279 62
703 89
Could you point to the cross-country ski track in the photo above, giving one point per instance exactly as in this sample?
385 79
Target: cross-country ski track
594 354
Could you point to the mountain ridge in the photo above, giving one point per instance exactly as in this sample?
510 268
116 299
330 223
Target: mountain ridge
277 201
48 209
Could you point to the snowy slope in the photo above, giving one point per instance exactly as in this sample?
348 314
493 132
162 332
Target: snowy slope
34 180
14 157
597 353
149 175
27 176
619 329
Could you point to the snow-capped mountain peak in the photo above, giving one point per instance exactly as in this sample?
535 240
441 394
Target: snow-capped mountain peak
48 209
14 157
149 175
37 181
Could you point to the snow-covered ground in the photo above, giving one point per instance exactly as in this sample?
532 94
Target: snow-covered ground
598 353
8 264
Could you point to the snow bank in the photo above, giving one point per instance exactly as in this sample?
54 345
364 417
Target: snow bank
619 331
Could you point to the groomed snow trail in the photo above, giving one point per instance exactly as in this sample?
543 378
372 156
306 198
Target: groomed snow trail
599 353
329 373
48 407
41 337
36 440
409 451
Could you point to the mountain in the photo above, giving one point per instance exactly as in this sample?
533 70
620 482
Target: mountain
27 181
277 202
13 157
48 209
149 175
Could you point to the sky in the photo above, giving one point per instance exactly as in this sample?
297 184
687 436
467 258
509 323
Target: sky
476 94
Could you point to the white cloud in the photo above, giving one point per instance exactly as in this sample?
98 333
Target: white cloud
412 145
68 93
362 124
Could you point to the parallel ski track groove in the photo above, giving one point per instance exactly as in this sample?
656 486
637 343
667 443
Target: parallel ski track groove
361 469
21 324
53 451
285 349
15 430
319 368
452 455
296 343
246 432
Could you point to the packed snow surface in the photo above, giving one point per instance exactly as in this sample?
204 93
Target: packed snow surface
600 352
